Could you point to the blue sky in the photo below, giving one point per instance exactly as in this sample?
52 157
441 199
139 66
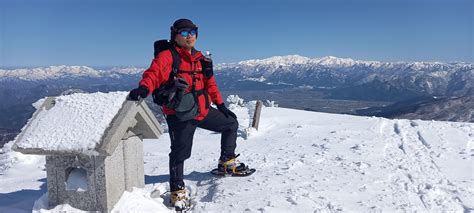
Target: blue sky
121 33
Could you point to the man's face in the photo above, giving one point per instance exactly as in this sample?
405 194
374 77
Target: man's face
186 41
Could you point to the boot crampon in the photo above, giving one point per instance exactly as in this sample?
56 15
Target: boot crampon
181 200
232 167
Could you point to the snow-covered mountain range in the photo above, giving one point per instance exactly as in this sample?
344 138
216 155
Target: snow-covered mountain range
305 161
345 78
262 67
354 79
332 61
63 72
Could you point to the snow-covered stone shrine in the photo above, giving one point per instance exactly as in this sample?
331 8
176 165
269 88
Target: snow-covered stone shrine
93 145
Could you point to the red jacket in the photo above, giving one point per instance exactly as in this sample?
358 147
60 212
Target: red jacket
160 69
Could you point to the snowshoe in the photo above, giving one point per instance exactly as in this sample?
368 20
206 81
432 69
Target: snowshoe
232 167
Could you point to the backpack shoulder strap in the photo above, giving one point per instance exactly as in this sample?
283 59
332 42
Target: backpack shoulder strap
162 45
176 61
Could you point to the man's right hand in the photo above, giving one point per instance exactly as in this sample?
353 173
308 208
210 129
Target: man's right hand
141 91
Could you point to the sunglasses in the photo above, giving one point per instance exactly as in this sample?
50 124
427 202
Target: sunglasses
186 33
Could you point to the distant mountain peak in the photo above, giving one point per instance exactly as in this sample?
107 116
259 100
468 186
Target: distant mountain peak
335 61
289 60
280 60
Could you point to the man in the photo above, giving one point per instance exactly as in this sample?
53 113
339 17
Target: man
194 76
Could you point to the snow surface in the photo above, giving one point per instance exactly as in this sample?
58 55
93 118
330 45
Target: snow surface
76 122
305 161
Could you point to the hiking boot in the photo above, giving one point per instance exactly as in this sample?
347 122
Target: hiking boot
231 165
180 199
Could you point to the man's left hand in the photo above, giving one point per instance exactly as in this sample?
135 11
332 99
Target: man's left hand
225 111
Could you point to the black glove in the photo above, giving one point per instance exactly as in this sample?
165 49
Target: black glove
141 91
225 111
207 68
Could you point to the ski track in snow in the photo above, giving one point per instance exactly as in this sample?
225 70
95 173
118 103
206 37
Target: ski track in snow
308 161
416 174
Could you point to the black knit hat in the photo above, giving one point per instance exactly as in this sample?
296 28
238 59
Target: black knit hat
182 24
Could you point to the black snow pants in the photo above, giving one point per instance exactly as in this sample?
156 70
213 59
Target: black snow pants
181 135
